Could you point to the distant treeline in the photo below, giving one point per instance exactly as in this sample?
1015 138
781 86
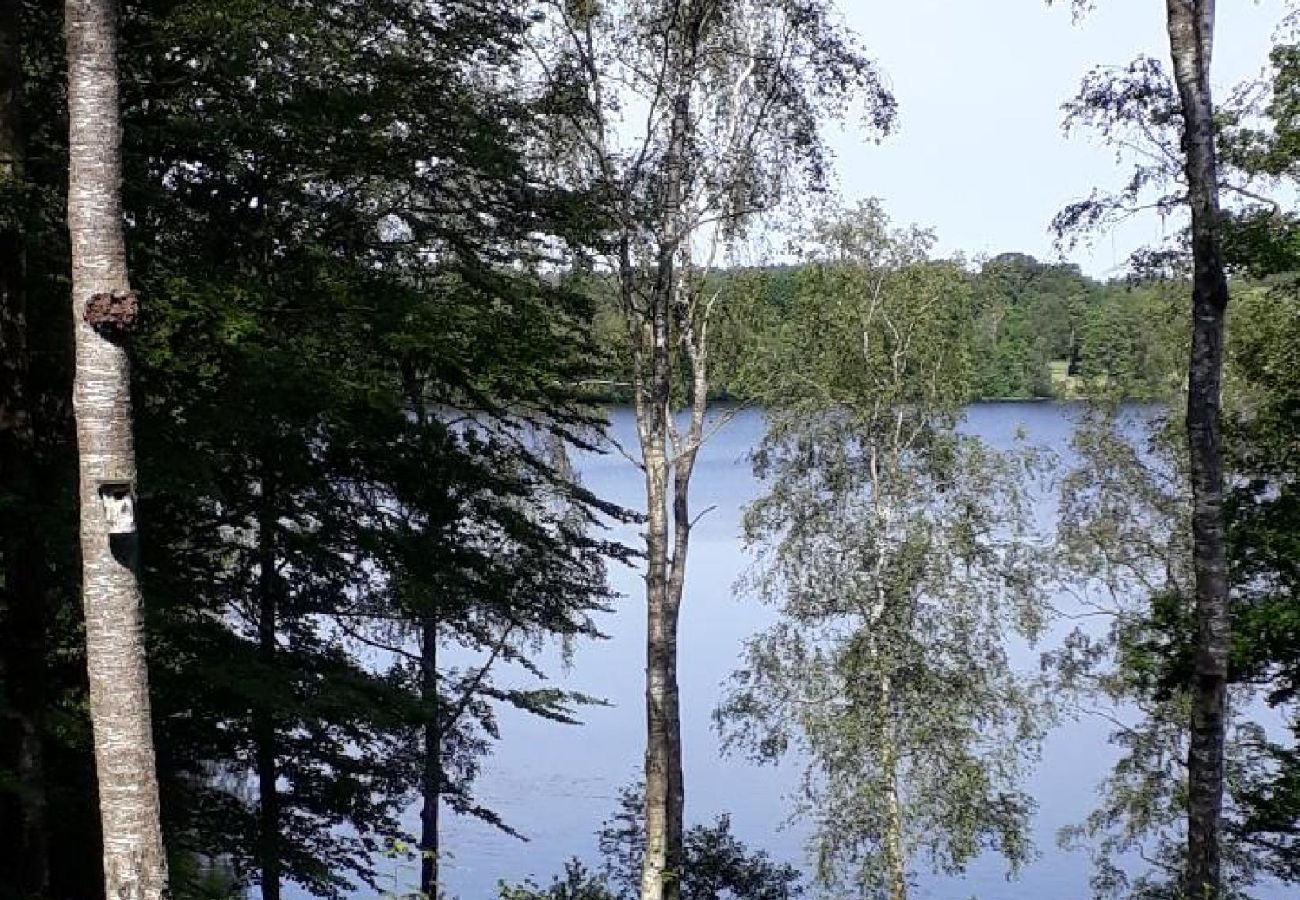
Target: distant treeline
1040 330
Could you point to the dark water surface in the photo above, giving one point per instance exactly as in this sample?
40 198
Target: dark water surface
556 784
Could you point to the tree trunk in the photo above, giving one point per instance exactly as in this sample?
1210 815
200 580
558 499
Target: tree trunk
663 767
1191 35
264 736
895 857
668 539
665 570
24 860
664 790
135 866
431 777
431 770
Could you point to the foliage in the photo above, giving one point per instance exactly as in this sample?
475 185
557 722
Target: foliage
1264 514
716 865
690 120
336 224
317 288
1130 509
1126 548
1133 343
1124 524
1125 545
1108 339
896 551
1027 315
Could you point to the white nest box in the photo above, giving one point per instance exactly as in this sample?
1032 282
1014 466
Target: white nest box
118 500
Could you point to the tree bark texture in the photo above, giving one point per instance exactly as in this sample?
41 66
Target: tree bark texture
24 858
134 863
664 789
1191 35
665 555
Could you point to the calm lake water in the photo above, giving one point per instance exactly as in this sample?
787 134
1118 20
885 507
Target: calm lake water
556 784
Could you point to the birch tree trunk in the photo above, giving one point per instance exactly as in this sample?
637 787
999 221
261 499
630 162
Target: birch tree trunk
895 855
1191 36
22 615
666 566
134 862
665 794
664 788
749 75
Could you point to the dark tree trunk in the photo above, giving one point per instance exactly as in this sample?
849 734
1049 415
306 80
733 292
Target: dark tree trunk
431 776
431 738
264 731
1191 35
24 858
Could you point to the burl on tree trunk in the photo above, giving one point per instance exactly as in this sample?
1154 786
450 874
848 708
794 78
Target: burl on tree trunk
134 862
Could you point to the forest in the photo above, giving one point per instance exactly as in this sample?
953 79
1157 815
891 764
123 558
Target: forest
1039 330
317 317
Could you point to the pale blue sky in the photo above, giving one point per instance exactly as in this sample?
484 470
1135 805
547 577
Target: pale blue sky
978 153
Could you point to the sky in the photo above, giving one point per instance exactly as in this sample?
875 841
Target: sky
978 153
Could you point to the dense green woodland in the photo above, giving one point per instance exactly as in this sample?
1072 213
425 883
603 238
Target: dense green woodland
387 284
1039 329
303 501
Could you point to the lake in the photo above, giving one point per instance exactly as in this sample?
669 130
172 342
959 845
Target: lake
556 784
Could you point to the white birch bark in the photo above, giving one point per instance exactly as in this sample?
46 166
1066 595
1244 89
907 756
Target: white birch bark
1191 37
134 862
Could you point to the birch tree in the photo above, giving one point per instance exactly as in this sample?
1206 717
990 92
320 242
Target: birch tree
104 312
898 553
688 119
1126 547
1191 42
1151 105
